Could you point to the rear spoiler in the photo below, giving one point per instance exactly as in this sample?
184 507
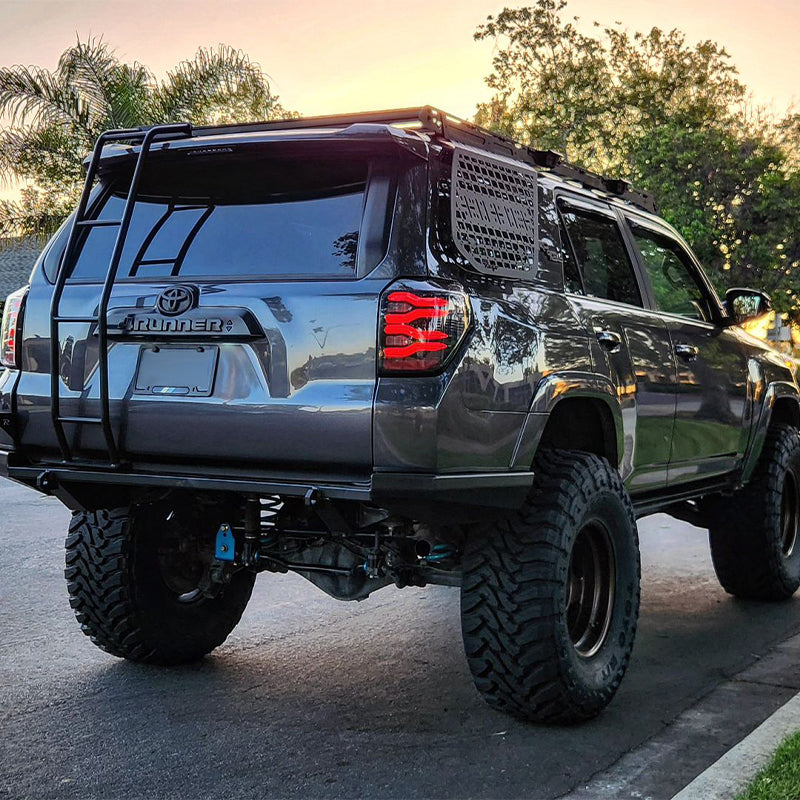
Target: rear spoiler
220 140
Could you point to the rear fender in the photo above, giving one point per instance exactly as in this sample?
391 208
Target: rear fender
556 388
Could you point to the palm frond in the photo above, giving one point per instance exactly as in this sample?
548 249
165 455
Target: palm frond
54 117
131 89
35 96
37 214
49 155
87 66
197 90
12 144
117 94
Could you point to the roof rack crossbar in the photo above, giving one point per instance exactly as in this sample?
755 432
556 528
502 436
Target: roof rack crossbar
399 116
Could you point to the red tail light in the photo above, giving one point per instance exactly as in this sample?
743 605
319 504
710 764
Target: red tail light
11 331
419 329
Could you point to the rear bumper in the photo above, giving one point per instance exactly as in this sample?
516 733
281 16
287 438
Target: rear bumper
482 489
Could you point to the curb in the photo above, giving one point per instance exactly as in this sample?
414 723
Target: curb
716 729
731 773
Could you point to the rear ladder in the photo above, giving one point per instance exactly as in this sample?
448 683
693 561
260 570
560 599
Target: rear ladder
80 223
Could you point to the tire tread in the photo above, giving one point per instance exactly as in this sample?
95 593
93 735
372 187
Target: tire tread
511 580
746 559
103 594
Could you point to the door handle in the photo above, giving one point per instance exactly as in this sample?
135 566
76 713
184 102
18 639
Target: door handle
610 341
688 352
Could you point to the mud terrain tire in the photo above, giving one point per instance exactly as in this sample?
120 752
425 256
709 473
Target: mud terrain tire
118 591
530 583
755 535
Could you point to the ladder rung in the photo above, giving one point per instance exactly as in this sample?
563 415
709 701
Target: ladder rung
152 261
97 223
87 420
124 136
75 319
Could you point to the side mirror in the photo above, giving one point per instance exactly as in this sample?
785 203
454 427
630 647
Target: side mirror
746 304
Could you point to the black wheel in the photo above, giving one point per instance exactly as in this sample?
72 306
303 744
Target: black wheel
754 535
550 596
135 575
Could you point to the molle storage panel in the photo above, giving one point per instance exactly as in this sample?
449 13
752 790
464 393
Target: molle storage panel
493 213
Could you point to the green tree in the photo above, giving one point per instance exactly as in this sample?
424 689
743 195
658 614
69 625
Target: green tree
669 116
55 117
550 81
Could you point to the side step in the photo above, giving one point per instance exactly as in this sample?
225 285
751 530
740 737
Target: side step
675 501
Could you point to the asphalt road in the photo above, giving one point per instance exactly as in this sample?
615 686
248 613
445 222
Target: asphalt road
311 697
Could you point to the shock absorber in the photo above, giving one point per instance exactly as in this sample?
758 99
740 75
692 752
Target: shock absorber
252 531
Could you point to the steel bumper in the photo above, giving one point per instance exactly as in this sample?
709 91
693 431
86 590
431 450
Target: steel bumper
497 489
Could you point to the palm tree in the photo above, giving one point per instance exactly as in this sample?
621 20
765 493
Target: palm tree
55 117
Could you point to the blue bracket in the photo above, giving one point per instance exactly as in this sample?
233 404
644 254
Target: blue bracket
225 549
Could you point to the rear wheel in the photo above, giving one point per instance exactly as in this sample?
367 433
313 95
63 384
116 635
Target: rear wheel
550 596
755 535
136 582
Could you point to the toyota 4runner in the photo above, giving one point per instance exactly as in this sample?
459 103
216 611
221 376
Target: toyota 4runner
389 348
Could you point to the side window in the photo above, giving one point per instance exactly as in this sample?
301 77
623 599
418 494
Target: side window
600 255
672 274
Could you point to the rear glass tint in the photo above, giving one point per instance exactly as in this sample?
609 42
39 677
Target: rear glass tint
274 218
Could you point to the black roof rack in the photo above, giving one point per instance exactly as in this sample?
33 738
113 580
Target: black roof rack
446 126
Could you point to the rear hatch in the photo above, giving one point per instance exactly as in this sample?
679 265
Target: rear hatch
242 324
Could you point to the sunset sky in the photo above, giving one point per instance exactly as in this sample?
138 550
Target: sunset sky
327 56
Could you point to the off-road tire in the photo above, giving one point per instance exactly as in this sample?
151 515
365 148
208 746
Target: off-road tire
122 602
516 576
746 532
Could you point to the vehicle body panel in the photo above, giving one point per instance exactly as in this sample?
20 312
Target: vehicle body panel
643 372
711 430
295 369
308 371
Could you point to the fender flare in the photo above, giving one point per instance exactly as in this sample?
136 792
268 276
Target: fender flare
552 390
774 391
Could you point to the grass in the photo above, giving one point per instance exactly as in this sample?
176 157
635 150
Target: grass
780 779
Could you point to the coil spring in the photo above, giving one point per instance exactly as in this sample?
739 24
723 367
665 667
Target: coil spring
270 506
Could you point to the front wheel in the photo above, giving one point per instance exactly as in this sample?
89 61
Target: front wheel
550 596
134 577
755 535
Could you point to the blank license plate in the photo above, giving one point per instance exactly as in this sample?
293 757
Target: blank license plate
183 371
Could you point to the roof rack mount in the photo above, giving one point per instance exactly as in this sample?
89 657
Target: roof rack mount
459 130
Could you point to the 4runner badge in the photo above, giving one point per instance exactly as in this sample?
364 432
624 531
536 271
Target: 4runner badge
176 300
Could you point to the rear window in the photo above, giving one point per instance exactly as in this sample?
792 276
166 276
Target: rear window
257 217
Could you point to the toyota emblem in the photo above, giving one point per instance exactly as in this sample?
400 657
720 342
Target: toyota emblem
176 300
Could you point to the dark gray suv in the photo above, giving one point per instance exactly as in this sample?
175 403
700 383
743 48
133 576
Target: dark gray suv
390 348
